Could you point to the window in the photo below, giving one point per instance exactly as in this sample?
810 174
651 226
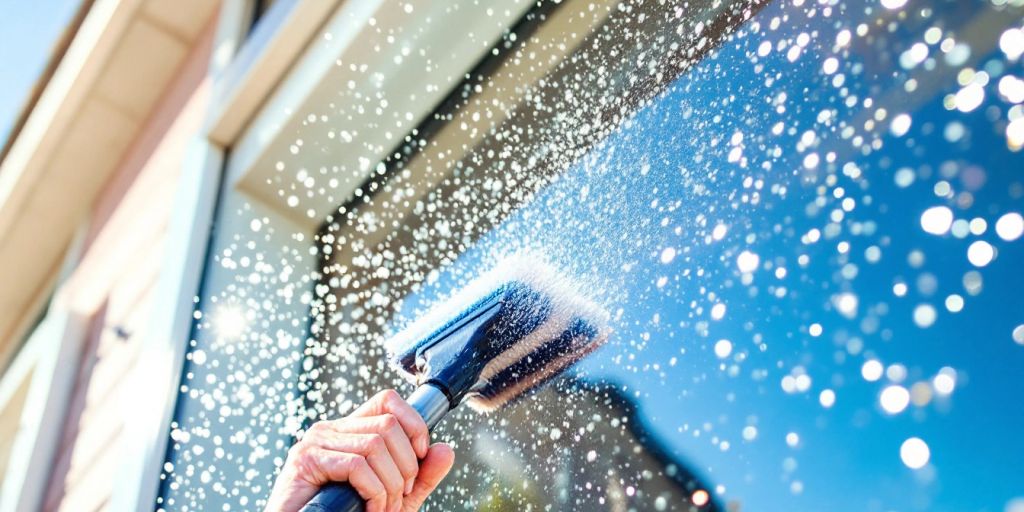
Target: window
803 217
791 210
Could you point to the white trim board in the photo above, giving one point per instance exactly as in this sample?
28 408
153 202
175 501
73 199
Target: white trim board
51 357
375 71
157 373
267 55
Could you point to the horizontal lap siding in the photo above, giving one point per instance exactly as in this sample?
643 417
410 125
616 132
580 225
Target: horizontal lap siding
120 266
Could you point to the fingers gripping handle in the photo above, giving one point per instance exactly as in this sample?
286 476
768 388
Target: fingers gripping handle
431 403
335 497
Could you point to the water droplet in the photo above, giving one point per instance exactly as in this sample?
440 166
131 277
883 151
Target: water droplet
717 311
792 439
924 315
1011 42
937 220
904 177
914 453
894 399
1010 226
945 381
846 304
700 497
719 232
749 433
815 330
1015 134
668 254
900 125
871 370
980 253
969 98
723 348
827 398
1018 334
747 261
1015 505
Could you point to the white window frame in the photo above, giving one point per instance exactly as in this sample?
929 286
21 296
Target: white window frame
259 94
48 362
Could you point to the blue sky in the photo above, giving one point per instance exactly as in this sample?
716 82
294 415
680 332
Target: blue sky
28 31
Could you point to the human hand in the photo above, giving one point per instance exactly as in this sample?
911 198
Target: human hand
382 450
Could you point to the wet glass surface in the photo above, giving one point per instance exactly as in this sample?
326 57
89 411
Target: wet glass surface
807 235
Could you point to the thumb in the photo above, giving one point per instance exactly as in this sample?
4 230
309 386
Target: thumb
438 462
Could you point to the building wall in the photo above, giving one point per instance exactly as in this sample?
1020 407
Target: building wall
9 429
114 281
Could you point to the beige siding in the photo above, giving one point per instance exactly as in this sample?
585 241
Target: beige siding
9 428
115 280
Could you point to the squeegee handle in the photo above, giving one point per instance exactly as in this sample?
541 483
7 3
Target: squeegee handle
431 403
336 497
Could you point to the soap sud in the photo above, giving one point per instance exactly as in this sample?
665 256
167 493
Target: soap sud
537 274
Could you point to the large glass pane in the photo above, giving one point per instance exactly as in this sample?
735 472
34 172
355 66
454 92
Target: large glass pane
804 218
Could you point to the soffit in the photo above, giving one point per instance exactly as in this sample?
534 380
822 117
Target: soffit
375 71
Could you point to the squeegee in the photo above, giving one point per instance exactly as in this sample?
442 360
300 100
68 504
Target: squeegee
501 337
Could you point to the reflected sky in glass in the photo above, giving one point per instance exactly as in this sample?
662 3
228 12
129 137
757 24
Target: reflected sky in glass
738 207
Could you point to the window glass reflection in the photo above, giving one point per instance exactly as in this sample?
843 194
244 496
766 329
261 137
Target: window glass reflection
798 239
804 217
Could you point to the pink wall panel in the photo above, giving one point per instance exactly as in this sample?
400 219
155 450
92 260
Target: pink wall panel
119 268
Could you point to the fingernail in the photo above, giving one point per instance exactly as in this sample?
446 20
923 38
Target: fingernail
408 486
422 446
